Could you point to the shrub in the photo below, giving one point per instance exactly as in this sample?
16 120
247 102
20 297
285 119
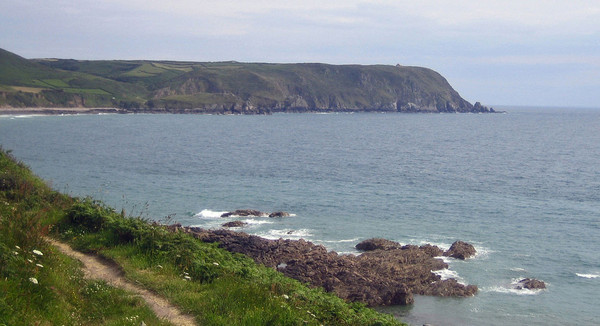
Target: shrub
88 215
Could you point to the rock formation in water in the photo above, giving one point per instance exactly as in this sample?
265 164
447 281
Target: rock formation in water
530 284
388 276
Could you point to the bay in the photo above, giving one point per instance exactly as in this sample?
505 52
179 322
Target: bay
523 187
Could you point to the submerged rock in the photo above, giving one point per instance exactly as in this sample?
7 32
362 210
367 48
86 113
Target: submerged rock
461 250
234 224
279 214
244 212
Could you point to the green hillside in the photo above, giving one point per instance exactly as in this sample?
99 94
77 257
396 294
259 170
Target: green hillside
225 87
26 83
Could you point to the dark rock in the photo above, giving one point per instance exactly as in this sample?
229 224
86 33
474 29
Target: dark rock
377 244
531 284
461 250
244 212
377 277
431 250
279 214
234 224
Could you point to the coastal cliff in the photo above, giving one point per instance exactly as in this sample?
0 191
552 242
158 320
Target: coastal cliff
224 87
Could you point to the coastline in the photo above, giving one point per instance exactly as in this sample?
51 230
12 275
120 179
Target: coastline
57 111
7 111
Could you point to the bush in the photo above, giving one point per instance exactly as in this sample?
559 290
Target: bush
88 215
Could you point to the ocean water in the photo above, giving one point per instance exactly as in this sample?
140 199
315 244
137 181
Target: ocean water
523 187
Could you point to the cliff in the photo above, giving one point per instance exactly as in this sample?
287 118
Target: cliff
225 87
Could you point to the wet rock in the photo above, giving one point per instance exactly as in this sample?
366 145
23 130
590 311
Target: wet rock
244 212
530 284
461 250
279 214
377 277
431 250
377 244
234 224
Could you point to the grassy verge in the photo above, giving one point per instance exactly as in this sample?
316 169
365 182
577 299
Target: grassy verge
39 285
215 286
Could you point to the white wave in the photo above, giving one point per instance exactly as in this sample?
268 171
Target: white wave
445 259
517 269
446 274
510 290
207 213
20 116
286 234
351 253
482 252
257 222
587 275
340 241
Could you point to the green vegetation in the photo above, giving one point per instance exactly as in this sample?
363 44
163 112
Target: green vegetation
225 87
42 286
39 285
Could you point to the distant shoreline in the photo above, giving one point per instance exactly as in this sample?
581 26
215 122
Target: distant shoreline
57 111
109 110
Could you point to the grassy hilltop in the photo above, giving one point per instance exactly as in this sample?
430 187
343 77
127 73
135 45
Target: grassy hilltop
224 87
41 286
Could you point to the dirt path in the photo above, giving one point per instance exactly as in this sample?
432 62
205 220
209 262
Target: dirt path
96 268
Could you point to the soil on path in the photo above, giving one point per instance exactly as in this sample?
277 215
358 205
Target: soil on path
97 268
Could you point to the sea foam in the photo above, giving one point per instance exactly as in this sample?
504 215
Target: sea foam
257 222
445 274
207 213
587 275
512 288
286 234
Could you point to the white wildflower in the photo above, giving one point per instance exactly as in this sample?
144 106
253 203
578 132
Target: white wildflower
216 264
187 277
159 266
16 253
17 247
285 296
33 280
39 265
29 260
37 252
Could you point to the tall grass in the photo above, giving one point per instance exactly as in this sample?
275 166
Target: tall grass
39 285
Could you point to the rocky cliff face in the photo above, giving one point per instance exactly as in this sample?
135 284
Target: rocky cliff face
264 88
225 87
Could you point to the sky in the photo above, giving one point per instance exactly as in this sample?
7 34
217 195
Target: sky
524 52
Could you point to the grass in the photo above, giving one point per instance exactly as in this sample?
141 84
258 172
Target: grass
39 285
214 285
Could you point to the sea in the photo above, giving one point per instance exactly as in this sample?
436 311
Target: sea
522 186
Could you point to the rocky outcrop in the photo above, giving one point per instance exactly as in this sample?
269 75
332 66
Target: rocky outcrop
244 213
376 277
461 250
377 244
530 284
254 213
234 224
279 214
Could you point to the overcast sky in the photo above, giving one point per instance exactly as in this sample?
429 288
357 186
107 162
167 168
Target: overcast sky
539 53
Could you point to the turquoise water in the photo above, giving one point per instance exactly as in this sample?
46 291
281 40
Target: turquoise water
523 187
